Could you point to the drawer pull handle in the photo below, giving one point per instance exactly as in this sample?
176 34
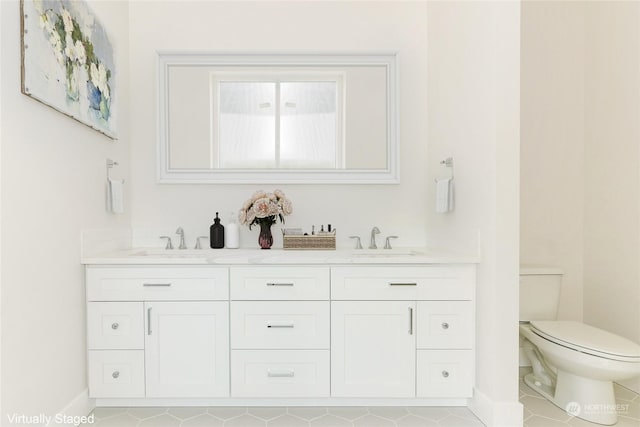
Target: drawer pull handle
280 374
280 325
115 326
115 374
445 325
279 284
149 321
402 284
445 374
157 285
410 320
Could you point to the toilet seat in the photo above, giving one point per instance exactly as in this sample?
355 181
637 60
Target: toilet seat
587 339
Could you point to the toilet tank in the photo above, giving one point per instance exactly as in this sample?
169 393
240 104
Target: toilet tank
539 292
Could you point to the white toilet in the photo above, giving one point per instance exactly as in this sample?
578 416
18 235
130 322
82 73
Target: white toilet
574 365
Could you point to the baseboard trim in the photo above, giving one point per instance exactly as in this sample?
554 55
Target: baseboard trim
80 406
496 414
231 401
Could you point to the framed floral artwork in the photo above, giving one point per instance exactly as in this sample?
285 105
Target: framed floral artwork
68 62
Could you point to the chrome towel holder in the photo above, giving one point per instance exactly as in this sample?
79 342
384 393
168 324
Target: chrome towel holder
110 165
448 162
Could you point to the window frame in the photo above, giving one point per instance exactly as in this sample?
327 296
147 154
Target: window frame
388 60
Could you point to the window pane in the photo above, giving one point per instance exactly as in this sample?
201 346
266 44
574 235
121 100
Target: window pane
247 125
308 124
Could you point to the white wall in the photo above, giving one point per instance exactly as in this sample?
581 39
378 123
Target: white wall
283 26
552 143
612 169
53 177
474 109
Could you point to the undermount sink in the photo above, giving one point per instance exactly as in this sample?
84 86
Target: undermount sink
212 256
384 253
170 253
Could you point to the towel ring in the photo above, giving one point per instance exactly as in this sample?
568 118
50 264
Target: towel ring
110 165
448 162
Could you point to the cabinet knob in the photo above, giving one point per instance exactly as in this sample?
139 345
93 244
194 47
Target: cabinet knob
115 325
115 374
445 325
445 374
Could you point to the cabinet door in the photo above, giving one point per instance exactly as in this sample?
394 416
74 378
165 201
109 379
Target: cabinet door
373 349
187 349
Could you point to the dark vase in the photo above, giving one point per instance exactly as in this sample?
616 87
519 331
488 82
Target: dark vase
265 239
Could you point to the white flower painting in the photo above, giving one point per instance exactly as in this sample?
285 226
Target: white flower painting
68 62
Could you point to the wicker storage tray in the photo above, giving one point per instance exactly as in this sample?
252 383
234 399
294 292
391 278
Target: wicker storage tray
325 241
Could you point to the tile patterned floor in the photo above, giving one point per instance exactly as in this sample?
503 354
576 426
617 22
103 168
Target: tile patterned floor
539 412
286 417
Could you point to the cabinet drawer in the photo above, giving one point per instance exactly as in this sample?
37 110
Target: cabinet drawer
280 325
445 324
280 373
444 282
157 284
445 373
116 373
115 325
280 283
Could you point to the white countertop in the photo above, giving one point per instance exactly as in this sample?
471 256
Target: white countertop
154 256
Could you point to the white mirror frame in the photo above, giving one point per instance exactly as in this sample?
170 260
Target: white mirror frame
389 175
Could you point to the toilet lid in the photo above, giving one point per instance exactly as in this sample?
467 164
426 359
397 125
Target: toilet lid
587 339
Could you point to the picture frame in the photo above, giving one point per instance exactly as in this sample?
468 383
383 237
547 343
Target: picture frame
68 62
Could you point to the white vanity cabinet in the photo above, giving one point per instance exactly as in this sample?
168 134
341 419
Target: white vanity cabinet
402 331
280 331
158 332
300 333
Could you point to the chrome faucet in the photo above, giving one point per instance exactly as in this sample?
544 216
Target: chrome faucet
180 232
169 244
198 244
374 231
387 244
358 244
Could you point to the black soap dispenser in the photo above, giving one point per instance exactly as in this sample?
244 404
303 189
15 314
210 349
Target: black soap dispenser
217 234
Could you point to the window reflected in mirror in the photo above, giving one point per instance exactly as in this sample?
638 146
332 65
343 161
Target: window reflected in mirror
247 118
274 122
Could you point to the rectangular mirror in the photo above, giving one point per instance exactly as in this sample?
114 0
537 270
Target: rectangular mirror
277 118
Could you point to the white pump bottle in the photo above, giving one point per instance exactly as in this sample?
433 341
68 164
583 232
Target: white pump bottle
232 235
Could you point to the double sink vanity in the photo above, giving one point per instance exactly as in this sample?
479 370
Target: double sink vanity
239 327
278 327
